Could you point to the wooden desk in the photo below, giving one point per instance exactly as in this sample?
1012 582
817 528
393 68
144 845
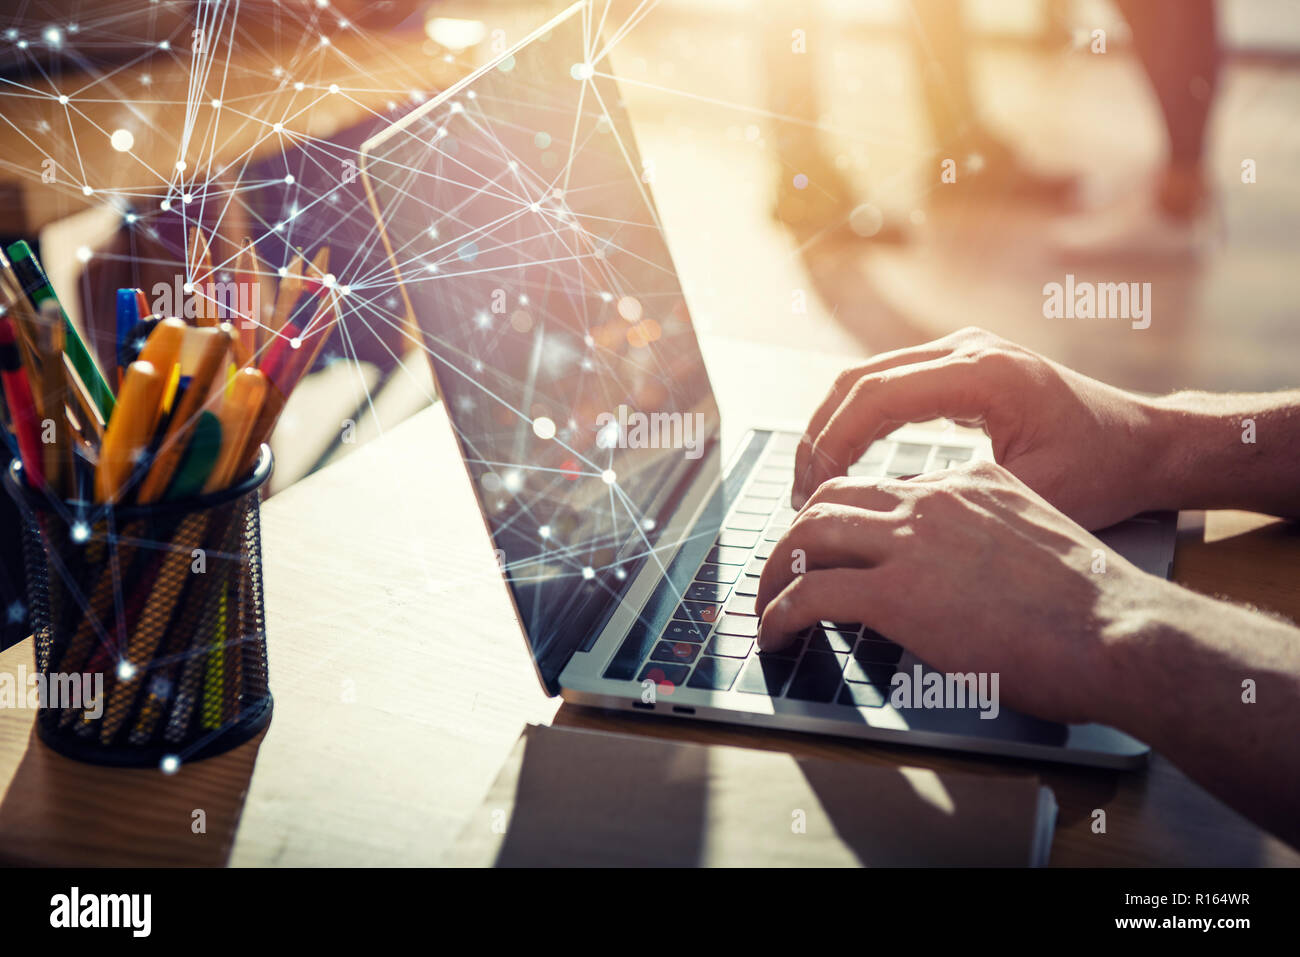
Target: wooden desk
401 681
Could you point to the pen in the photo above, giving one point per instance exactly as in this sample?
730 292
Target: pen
239 411
176 438
19 397
129 430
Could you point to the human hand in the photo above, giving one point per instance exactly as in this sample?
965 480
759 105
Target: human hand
1086 447
972 571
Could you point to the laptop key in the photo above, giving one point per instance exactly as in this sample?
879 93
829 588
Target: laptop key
862 696
705 611
756 506
676 651
869 673
742 605
724 555
715 674
666 676
773 490
728 646
737 538
707 591
949 456
909 459
764 549
766 675
742 625
717 573
748 585
755 567
832 639
789 651
818 677
748 523
777 475
878 652
685 631
776 532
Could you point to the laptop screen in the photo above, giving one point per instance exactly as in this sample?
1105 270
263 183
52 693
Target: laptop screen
537 270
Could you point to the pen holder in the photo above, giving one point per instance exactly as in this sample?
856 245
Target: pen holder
148 623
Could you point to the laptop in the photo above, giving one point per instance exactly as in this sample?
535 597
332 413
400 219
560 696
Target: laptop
526 246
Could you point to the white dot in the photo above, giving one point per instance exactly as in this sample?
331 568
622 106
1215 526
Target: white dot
328 280
544 531
170 764
125 670
63 100
334 87
181 165
122 140
216 104
298 85
86 190
187 199
289 180
164 45
543 427
84 253
344 289
295 343
277 128
608 477
165 205
588 573
80 531
283 271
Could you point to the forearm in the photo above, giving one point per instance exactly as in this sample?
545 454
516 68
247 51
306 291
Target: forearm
1216 689
1227 451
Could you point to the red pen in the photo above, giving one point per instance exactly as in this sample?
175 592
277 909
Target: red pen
19 396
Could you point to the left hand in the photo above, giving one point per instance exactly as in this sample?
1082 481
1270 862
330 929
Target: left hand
970 570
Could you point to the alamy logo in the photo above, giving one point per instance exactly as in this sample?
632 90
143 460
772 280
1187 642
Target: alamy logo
240 301
933 689
651 430
1098 300
84 692
75 909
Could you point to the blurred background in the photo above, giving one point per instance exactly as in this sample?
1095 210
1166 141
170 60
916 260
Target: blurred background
845 176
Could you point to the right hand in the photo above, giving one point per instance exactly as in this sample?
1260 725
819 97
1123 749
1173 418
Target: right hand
1083 445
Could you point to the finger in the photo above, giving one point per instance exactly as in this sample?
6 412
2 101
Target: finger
824 536
877 404
845 381
832 594
877 494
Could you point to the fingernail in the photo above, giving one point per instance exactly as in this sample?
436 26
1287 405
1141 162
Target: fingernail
798 500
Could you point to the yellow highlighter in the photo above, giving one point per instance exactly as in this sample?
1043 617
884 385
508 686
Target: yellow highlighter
239 412
129 429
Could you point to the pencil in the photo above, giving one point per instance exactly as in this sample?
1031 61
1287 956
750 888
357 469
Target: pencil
286 296
205 309
247 323
36 286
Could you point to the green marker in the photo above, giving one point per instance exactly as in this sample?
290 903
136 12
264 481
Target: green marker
38 289
199 458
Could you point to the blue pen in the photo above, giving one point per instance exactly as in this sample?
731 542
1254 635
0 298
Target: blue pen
128 315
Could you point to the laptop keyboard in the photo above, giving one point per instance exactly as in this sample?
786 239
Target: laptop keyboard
710 642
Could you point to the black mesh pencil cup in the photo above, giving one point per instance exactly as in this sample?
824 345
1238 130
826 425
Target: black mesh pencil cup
148 622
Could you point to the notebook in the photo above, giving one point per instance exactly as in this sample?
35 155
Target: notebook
577 798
